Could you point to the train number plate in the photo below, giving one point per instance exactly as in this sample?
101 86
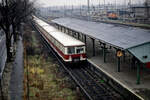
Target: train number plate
76 60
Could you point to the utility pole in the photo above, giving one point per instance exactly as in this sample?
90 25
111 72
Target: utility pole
99 4
88 1
130 2
130 7
104 10
104 4
115 5
64 10
72 11
80 9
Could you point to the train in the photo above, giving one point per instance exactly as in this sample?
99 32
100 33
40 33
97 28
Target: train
68 48
112 16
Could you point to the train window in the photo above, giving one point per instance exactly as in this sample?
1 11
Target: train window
80 50
71 50
63 50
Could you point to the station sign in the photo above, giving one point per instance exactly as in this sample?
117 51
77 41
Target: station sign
119 54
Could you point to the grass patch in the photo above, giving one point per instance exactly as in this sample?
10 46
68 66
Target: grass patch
41 74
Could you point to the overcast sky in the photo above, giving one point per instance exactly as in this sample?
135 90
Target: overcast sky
82 2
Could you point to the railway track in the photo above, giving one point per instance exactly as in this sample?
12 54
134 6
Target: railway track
91 83
98 90
92 89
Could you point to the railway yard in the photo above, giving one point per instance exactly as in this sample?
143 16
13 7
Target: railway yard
75 50
47 77
103 76
90 92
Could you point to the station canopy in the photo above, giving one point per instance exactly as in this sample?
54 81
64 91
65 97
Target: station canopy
135 40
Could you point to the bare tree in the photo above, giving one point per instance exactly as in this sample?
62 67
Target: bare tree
23 9
12 13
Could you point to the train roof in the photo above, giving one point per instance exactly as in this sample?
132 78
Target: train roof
42 23
63 38
49 28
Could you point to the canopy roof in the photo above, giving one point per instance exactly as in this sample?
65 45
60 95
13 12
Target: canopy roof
142 52
121 36
117 35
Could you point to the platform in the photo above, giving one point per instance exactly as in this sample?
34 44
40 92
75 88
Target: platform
127 75
16 80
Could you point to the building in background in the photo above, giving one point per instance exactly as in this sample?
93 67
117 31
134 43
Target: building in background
148 2
142 12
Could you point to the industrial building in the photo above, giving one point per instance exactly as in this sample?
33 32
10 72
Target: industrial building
142 12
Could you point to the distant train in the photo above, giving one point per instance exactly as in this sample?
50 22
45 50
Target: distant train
112 16
67 47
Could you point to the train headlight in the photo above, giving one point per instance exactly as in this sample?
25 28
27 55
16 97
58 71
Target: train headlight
70 58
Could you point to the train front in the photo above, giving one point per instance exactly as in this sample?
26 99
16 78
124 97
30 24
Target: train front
76 53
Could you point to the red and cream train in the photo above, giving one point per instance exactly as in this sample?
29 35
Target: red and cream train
67 47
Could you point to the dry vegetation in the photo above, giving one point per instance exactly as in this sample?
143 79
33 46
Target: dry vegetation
42 76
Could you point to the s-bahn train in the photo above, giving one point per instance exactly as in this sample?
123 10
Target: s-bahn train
67 47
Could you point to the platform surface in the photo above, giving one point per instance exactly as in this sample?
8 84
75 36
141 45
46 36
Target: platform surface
127 75
16 80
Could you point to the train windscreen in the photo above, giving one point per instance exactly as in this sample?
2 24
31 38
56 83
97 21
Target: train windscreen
80 50
71 50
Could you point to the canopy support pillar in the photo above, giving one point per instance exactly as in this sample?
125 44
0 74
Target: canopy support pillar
138 73
67 30
61 28
104 53
118 64
119 54
85 39
124 56
78 35
72 33
58 27
93 41
82 37
64 30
